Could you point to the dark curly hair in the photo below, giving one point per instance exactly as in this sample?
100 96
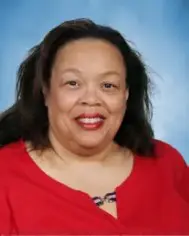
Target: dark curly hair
27 119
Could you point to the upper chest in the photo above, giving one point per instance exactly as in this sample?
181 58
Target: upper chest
37 206
146 203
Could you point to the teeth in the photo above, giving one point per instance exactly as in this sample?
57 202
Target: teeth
90 120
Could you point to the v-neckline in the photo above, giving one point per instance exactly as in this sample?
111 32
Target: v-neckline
42 177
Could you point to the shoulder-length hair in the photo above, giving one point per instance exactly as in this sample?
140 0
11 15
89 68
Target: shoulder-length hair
27 119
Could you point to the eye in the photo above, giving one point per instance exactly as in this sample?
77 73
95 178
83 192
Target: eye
72 83
109 86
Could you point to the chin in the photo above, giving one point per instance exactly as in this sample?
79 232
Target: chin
93 140
90 143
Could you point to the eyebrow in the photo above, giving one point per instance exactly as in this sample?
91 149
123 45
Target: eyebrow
105 73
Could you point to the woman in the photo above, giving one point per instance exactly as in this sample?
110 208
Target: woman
77 153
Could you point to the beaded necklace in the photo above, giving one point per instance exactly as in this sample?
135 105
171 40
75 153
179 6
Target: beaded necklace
109 198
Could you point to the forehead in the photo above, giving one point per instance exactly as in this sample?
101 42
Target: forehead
90 53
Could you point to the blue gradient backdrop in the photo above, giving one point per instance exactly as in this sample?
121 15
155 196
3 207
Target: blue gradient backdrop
158 29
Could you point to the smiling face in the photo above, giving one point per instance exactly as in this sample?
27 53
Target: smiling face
87 97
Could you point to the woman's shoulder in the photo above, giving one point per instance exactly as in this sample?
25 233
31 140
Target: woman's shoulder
12 147
169 157
171 161
166 159
166 153
10 153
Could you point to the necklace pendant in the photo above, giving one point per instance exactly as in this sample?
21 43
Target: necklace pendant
109 198
98 201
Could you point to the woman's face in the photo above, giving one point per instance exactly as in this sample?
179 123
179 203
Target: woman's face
87 98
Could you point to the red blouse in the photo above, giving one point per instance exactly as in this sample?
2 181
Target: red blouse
153 200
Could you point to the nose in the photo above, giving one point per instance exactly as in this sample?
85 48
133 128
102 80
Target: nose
90 97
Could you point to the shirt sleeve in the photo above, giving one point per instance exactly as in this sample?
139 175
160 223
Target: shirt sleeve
180 171
183 179
5 216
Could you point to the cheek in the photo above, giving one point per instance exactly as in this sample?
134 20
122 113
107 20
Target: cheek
61 103
118 106
59 109
117 111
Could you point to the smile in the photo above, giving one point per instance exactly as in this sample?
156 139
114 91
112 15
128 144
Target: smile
90 122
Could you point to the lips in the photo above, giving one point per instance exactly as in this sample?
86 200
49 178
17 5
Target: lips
91 115
90 121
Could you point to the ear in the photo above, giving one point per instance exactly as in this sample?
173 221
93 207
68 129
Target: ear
126 94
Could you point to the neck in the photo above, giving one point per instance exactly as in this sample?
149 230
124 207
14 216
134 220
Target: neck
81 154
